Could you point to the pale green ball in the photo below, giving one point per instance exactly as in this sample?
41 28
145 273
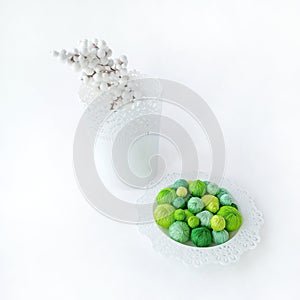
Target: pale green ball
180 182
164 215
232 217
221 192
226 199
195 205
179 215
179 202
220 237
179 231
212 188
217 223
197 188
181 191
193 221
211 203
205 217
166 196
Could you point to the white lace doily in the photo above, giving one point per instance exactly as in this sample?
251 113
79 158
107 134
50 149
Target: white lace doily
247 237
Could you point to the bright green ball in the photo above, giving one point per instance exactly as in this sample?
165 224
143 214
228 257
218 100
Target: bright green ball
212 189
193 221
226 199
166 196
205 217
181 191
220 237
164 215
195 205
217 223
201 237
179 202
197 188
179 231
187 214
180 182
179 215
232 217
211 203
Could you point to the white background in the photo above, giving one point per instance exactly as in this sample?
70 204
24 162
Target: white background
241 56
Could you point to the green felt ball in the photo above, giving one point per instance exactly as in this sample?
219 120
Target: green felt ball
180 182
195 205
179 202
232 217
212 188
193 221
217 223
179 231
166 196
187 214
235 206
211 203
205 217
226 199
221 192
197 188
179 214
164 215
220 237
181 191
201 237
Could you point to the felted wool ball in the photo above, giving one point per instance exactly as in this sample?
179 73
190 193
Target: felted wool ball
220 237
212 188
201 237
226 199
211 203
197 188
205 217
179 215
179 202
232 217
187 214
181 191
217 223
180 182
179 231
235 206
164 215
193 221
166 195
195 205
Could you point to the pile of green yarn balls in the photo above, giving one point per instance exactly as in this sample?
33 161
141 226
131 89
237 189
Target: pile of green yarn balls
197 210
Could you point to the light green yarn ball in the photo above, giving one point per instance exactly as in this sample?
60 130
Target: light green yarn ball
166 196
181 191
211 203
217 223
212 188
195 205
205 217
164 215
179 202
232 217
226 199
179 215
180 182
201 237
197 188
221 192
187 214
220 237
179 231
193 221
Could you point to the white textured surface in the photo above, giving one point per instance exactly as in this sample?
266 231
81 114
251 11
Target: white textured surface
241 56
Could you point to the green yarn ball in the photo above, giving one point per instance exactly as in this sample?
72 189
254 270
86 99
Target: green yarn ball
217 223
205 217
179 231
195 205
181 191
179 215
221 192
180 182
235 206
220 237
197 188
226 199
193 221
187 214
206 182
212 188
179 202
166 196
164 215
232 217
201 237
211 203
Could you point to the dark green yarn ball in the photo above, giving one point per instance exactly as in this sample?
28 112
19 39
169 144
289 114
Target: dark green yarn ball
201 237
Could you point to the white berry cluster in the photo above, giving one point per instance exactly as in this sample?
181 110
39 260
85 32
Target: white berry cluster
99 70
